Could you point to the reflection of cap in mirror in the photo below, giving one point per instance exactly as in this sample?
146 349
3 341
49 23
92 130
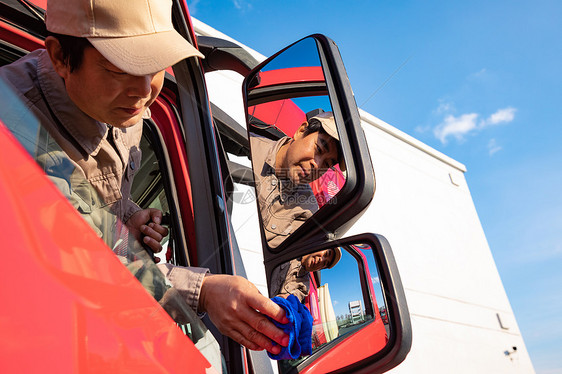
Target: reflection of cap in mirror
329 125
136 36
337 256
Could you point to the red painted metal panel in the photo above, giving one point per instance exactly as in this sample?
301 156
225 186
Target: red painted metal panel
291 75
358 346
15 36
328 185
40 3
164 116
283 114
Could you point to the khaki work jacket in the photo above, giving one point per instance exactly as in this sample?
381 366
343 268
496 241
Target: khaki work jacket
284 206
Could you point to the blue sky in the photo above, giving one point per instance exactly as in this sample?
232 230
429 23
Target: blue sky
480 81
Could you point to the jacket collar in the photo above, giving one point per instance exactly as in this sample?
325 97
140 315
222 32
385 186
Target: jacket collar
286 187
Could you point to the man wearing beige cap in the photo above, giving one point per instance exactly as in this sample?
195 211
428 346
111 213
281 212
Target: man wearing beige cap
292 278
284 169
90 88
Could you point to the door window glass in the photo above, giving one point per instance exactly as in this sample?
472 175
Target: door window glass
150 192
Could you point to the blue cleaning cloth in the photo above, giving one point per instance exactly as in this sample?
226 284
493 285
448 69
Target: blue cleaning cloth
299 329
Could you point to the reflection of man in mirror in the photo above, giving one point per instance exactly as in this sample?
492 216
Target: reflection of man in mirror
284 169
292 278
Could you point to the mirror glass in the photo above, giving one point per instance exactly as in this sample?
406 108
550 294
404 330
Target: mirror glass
294 140
341 289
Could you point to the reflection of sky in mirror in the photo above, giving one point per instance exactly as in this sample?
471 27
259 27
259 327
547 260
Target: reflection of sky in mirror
343 282
308 103
304 53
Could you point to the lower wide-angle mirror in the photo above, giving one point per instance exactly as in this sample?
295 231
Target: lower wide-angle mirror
356 304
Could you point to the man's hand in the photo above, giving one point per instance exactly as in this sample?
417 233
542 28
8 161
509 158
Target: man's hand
239 311
147 222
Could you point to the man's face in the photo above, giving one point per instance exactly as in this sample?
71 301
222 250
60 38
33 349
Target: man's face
308 157
318 260
108 94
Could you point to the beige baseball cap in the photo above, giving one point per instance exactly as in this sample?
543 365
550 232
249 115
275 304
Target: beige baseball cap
137 36
337 256
329 125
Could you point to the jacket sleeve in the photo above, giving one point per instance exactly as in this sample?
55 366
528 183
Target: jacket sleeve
293 281
130 208
186 280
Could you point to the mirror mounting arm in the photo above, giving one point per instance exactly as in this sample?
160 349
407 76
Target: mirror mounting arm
222 54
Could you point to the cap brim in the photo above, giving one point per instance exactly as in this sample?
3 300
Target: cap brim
145 54
337 257
330 130
333 132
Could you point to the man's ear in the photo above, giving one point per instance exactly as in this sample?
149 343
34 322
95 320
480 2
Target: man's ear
54 50
300 131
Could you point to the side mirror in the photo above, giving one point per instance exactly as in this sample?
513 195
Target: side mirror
354 293
309 155
314 178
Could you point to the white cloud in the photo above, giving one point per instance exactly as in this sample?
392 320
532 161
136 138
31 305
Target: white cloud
375 280
444 107
479 74
242 4
456 127
493 147
505 115
335 302
459 127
